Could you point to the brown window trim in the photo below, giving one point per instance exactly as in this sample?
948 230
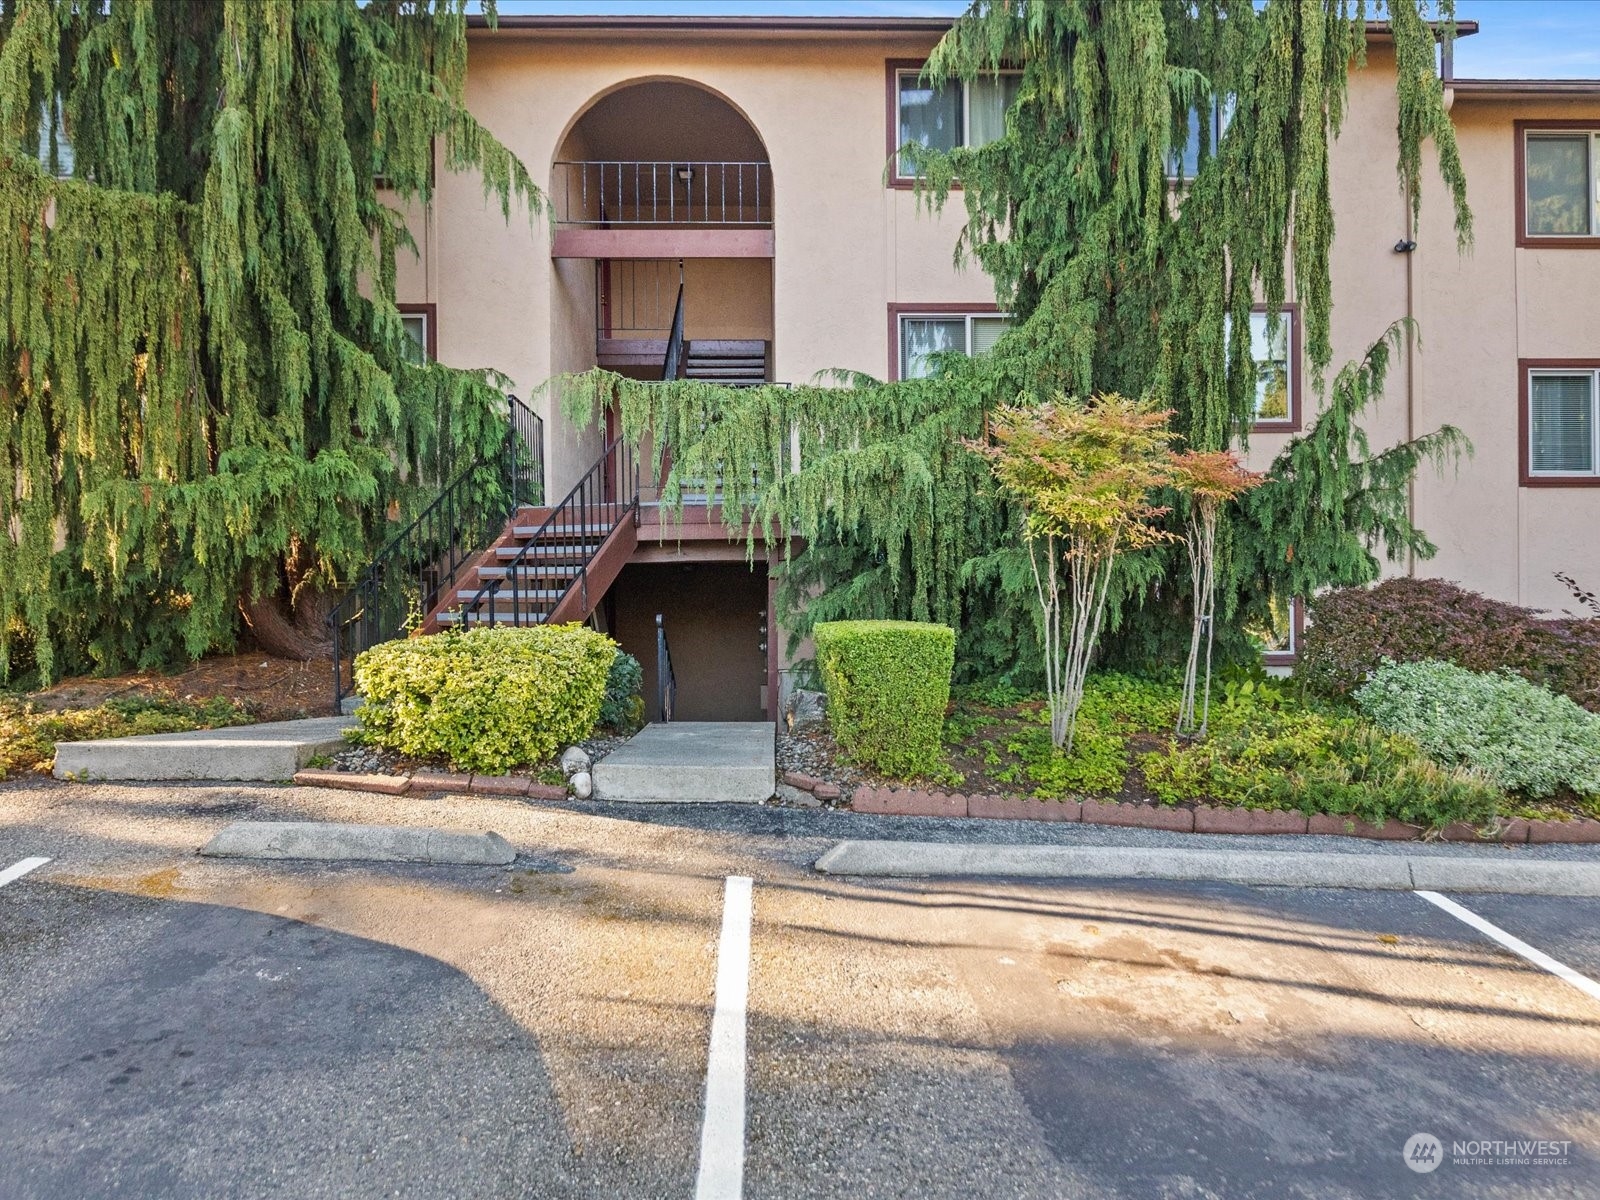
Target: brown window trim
892 69
1518 150
1525 367
943 308
1295 419
431 311
1297 631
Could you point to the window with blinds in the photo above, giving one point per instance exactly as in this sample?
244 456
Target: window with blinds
923 337
1562 423
956 114
1561 183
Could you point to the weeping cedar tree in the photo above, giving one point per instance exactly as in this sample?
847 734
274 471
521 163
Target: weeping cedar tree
1116 285
207 397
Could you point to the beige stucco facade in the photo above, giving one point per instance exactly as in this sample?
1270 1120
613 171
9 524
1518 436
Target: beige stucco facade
846 247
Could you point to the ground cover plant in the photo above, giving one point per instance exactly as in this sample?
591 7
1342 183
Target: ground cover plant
1520 736
484 700
29 733
1269 747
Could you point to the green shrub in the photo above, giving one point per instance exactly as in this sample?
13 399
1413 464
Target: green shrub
28 735
1352 630
1524 738
888 683
487 699
623 706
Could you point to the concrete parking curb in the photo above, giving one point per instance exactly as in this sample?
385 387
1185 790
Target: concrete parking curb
1271 868
329 842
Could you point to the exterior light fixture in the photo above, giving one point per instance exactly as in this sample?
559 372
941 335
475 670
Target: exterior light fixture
686 174
1404 246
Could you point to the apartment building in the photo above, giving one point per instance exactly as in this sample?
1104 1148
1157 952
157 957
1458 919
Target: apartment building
747 164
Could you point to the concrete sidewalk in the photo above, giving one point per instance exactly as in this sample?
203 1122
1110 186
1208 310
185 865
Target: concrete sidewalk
268 751
1284 868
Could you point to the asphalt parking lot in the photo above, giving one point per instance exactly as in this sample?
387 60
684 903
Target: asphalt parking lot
173 1026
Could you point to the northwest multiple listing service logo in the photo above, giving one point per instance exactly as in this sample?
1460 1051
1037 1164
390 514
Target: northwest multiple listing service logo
1424 1153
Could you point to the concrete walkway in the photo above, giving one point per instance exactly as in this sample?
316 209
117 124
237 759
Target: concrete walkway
697 761
271 750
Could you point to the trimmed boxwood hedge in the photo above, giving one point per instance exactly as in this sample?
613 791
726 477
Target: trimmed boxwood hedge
486 699
1352 630
888 684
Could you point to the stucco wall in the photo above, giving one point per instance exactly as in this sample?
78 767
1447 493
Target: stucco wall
847 246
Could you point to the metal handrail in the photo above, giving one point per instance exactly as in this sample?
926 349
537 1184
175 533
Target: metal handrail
607 494
666 681
408 574
615 193
672 364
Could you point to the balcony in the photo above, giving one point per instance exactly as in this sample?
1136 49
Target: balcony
662 209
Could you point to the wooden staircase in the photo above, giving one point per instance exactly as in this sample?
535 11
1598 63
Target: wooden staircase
551 565
733 363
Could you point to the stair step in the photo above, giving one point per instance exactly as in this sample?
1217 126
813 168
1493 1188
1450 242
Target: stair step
744 346
482 618
524 595
531 570
727 360
566 552
559 532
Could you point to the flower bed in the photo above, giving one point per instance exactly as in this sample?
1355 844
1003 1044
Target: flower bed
1272 762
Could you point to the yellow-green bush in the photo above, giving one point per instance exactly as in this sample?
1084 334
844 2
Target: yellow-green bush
888 683
487 699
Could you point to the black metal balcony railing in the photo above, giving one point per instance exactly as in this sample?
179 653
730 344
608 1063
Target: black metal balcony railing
620 194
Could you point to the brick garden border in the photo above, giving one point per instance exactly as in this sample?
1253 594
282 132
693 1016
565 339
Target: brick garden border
418 782
912 802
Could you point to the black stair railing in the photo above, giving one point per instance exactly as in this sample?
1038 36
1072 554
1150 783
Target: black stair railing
568 538
409 575
672 364
666 681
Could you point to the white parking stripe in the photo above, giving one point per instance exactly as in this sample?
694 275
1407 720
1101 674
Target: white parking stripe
722 1136
1516 945
18 870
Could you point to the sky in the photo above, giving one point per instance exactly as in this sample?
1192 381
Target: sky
1519 39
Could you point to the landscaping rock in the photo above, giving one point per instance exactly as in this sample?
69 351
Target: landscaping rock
793 795
582 785
573 760
806 708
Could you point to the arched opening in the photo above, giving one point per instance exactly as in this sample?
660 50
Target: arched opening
663 202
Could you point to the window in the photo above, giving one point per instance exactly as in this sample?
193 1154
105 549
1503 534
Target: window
943 118
922 335
417 320
1270 350
1560 423
1559 193
1279 635
1276 354
1183 163
53 128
